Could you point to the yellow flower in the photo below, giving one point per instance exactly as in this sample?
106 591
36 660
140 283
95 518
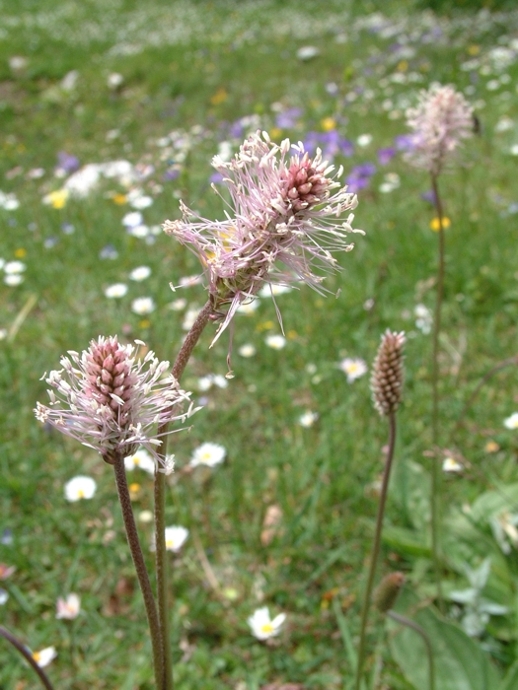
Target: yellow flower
119 199
473 49
134 490
220 96
328 124
56 199
275 133
491 447
20 253
436 226
402 66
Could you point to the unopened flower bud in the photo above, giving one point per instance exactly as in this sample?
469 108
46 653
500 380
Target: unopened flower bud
387 591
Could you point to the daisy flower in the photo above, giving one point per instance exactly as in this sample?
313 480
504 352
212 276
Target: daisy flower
80 487
262 626
69 607
175 537
44 656
141 460
208 454
512 421
353 368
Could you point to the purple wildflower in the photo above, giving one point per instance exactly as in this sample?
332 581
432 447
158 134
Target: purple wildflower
111 402
288 118
283 210
385 155
441 119
67 162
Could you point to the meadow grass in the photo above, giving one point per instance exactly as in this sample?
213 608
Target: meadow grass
190 70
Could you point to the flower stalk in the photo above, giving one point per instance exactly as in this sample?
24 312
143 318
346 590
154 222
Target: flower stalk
386 386
161 561
15 642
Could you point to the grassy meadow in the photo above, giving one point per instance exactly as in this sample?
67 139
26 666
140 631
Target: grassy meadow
156 89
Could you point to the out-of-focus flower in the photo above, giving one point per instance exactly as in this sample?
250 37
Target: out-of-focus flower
247 350
208 454
80 487
175 537
116 290
436 224
13 279
4 596
112 402
308 419
275 341
141 460
284 211
451 466
262 626
114 80
440 121
143 306
424 318
140 273
306 53
9 202
6 570
14 267
512 421
69 607
57 199
44 656
353 368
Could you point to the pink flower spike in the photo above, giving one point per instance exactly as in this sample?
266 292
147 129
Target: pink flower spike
284 209
440 121
112 402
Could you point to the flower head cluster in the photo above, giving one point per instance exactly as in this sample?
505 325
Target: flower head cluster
112 402
284 210
387 373
441 119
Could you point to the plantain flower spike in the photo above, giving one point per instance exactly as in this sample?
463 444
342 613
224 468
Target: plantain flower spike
387 373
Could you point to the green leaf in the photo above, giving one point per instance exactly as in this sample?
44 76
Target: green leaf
460 664
510 682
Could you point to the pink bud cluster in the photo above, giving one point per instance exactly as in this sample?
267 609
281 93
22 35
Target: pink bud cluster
111 402
285 210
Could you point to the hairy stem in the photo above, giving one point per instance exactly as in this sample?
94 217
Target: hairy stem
420 631
160 485
140 567
435 505
27 656
375 548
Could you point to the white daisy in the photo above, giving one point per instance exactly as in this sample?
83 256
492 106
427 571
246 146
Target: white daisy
353 368
143 306
175 537
80 487
262 626
208 454
116 290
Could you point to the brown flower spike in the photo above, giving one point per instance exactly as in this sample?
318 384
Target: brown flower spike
387 373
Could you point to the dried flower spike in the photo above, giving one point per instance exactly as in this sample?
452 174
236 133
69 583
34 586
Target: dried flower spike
111 402
387 373
441 119
285 209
